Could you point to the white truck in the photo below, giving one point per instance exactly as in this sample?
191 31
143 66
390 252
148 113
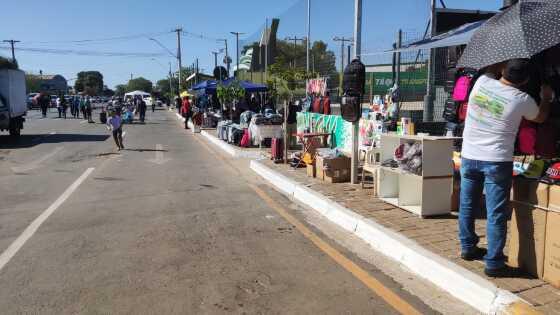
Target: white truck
13 103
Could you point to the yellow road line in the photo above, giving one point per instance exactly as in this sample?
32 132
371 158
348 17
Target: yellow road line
369 281
377 287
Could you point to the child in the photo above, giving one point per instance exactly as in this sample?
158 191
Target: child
115 125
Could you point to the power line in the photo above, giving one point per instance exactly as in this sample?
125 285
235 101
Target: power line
199 36
126 37
12 43
85 52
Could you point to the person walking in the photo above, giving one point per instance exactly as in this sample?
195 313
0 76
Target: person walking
114 124
59 106
88 110
154 101
142 107
44 102
496 108
64 105
186 111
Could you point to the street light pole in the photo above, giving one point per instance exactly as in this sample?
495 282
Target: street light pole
355 125
237 47
308 34
342 41
215 53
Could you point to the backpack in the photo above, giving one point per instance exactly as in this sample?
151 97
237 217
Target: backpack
451 111
462 88
354 78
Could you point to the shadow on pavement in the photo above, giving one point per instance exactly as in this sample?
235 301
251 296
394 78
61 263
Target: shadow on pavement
27 141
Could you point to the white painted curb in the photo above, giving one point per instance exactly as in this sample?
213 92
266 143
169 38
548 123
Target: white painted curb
463 284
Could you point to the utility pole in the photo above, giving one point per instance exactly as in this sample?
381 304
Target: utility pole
429 99
343 40
308 34
12 43
131 77
196 72
348 54
237 47
179 30
295 39
356 125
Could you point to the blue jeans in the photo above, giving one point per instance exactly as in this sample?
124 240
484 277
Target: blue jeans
495 178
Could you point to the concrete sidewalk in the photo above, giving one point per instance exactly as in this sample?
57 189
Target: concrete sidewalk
428 247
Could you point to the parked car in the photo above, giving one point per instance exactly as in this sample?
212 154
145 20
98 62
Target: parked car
31 101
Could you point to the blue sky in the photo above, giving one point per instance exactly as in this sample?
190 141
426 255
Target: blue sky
50 24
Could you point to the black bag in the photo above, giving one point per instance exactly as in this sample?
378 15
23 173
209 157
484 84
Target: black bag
450 111
351 108
354 78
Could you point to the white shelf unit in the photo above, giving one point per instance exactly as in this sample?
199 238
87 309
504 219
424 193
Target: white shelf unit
427 194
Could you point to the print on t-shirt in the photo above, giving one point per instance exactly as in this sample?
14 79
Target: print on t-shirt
486 104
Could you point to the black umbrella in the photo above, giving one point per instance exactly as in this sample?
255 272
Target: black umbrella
522 31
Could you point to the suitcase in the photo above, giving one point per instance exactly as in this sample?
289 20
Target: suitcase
277 149
103 117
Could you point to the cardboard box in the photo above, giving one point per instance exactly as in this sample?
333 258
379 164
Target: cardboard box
335 170
311 170
531 191
527 239
552 250
554 198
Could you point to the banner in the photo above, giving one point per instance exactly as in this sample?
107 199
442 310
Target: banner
317 86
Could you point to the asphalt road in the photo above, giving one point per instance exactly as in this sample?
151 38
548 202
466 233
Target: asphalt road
167 226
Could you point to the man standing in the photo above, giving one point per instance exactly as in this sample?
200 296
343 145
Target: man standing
495 110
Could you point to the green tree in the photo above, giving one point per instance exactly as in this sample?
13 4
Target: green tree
33 83
139 84
120 89
163 86
185 73
89 82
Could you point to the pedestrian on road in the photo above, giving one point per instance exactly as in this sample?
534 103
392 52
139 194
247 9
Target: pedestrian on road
88 110
64 104
44 102
142 107
178 104
153 104
59 106
115 125
76 106
496 108
186 111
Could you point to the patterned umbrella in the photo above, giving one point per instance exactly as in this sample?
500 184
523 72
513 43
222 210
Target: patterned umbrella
521 31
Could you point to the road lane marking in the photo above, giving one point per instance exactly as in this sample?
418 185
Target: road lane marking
160 160
83 121
363 276
34 164
372 283
18 243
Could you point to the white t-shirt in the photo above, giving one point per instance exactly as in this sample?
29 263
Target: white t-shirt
494 113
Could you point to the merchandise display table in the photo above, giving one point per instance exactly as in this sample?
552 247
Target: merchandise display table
425 194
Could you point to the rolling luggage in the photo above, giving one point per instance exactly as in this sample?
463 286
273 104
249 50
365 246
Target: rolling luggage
103 117
277 149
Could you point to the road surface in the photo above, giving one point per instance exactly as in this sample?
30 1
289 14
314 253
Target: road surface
167 226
